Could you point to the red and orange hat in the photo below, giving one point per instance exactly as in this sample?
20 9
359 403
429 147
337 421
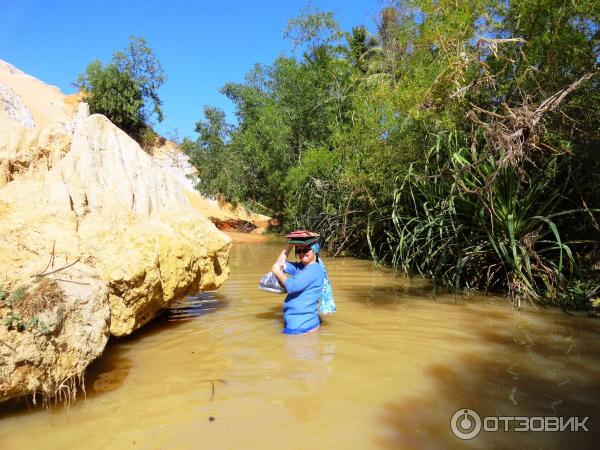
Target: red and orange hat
302 237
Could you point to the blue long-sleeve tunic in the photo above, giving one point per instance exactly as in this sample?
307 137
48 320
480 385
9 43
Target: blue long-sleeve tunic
304 288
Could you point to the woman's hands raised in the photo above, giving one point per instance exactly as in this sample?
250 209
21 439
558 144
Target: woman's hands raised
277 268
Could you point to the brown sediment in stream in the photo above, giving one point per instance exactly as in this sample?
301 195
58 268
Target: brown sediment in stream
387 371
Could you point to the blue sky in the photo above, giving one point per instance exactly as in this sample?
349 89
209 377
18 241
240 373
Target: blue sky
201 45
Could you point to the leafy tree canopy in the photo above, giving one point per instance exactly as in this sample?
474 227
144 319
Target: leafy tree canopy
460 140
126 89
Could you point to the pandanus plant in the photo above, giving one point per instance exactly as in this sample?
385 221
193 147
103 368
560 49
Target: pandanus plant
467 222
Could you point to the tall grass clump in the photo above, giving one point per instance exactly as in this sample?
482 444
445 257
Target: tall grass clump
465 221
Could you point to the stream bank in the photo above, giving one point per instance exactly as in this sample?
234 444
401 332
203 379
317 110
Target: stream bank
388 370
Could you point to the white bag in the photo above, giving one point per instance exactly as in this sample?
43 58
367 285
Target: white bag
270 283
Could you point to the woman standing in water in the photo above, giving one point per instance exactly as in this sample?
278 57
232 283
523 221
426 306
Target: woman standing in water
304 286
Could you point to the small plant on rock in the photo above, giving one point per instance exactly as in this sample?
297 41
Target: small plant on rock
15 296
37 326
13 320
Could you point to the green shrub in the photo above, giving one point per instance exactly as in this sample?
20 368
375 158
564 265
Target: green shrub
126 89
114 94
580 294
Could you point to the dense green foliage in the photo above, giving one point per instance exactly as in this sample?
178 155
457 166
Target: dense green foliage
126 89
460 141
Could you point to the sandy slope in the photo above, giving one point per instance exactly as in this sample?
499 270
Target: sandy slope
46 103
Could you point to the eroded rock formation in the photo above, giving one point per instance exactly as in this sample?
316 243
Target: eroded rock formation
57 329
105 237
14 107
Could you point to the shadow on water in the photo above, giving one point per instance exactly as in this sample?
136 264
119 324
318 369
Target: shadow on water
111 370
392 293
193 306
391 296
273 313
533 371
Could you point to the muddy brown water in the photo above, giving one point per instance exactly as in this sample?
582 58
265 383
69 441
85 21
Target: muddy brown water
388 370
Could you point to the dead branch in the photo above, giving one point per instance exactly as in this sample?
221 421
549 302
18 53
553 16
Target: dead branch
553 101
71 281
517 132
594 221
51 260
489 113
493 44
39 275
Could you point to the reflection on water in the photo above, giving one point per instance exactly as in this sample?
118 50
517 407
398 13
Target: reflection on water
387 371
194 306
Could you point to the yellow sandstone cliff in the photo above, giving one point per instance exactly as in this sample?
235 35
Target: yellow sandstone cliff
95 237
